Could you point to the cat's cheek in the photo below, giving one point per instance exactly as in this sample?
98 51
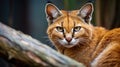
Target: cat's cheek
74 41
57 34
62 42
80 33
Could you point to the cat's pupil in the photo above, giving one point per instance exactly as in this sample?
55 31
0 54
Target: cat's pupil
77 28
60 29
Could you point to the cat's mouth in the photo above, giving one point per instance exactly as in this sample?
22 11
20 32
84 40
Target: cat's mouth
70 44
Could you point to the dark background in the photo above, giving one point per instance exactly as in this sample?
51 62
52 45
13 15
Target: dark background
29 17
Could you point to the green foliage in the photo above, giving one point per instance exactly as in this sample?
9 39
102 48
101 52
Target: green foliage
69 4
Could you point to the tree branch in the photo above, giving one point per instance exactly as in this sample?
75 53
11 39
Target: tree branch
14 45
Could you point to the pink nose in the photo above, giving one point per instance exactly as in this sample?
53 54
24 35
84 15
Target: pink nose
68 39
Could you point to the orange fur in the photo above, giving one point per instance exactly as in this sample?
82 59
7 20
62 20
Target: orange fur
97 47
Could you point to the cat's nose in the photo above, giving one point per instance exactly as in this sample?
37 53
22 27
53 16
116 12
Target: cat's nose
68 39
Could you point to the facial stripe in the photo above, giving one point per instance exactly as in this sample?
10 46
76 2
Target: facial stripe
63 29
68 24
68 20
73 31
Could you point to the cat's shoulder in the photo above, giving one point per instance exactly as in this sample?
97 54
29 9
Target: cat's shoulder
114 32
108 34
112 35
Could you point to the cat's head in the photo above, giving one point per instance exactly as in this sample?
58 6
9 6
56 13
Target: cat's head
69 28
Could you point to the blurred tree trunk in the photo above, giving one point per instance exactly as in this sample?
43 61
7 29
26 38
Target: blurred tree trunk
24 51
107 13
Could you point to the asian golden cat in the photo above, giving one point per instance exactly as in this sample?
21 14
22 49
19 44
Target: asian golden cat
73 35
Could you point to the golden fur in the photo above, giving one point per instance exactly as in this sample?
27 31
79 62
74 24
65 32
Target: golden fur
97 47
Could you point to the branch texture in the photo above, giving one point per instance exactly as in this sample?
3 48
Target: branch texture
14 45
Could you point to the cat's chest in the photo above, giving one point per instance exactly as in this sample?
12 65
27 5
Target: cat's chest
79 54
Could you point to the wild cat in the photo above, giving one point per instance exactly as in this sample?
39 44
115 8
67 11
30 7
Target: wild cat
73 35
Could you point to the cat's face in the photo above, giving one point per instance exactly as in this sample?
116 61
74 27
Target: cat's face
69 28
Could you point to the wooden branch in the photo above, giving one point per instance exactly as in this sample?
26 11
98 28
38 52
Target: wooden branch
17 46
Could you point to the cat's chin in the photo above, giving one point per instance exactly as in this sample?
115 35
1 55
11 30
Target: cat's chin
69 45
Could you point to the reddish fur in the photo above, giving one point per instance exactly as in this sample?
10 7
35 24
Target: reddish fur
102 41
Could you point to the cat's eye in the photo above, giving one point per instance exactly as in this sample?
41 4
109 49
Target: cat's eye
77 28
60 29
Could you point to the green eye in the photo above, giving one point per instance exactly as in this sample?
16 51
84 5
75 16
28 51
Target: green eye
77 28
60 29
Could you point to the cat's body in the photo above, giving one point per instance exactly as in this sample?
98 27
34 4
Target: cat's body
74 36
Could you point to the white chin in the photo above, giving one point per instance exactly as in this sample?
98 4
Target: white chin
68 45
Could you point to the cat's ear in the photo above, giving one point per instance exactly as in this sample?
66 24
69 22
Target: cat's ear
52 12
86 12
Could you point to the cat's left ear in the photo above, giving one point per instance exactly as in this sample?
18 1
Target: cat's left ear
86 12
52 12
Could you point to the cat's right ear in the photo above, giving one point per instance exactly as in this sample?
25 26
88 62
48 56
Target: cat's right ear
52 12
86 12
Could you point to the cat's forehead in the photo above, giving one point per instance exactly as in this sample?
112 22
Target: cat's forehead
69 22
70 15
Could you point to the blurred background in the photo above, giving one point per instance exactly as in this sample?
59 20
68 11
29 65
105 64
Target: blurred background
29 17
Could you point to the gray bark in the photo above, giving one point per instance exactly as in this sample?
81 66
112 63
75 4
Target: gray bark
29 51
